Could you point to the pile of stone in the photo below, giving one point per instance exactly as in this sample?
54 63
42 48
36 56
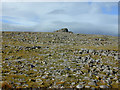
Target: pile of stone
64 30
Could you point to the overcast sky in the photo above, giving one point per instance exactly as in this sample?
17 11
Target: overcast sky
79 17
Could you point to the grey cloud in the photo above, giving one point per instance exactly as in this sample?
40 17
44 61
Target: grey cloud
86 28
76 27
57 11
78 17
9 27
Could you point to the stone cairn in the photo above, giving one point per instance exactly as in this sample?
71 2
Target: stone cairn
64 30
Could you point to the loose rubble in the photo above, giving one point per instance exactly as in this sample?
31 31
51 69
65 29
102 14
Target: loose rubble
59 60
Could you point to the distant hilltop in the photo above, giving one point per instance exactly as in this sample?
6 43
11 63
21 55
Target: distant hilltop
64 30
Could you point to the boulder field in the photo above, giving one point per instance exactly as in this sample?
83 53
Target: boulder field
59 60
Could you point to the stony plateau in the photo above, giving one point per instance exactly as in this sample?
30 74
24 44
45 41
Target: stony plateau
59 60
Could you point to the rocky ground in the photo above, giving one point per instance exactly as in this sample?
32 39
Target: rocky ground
59 60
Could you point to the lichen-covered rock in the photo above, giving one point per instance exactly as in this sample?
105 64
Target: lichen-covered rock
103 86
79 86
